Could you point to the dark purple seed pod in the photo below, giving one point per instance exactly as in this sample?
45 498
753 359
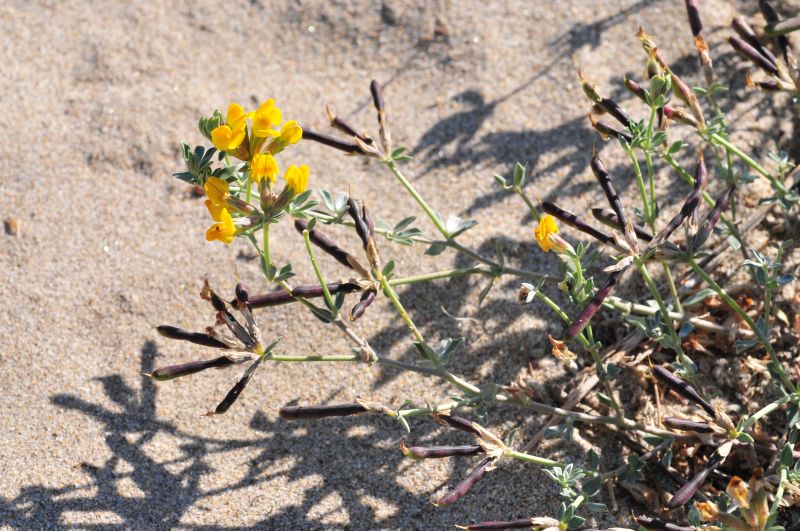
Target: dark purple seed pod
323 242
276 298
377 96
679 115
682 388
602 176
368 220
524 523
217 302
185 369
687 425
197 338
607 131
590 309
347 147
711 220
782 27
693 13
749 36
366 299
467 483
690 205
655 523
439 452
609 218
753 55
346 128
242 295
459 423
613 108
236 391
575 222
635 88
700 171
320 412
772 17
685 493
356 212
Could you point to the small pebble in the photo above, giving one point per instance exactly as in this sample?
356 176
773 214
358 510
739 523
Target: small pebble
12 226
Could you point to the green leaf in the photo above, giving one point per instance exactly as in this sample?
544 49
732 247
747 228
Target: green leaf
675 147
436 248
520 172
597 507
575 522
388 269
593 486
701 295
786 456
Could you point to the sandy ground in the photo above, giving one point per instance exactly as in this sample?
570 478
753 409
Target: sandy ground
96 98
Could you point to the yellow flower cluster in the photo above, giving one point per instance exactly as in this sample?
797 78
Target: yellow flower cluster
257 146
543 231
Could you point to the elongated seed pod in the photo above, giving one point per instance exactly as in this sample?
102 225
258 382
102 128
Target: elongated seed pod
700 171
608 218
685 493
590 309
320 412
361 306
356 212
236 391
711 220
753 55
607 131
612 107
185 369
197 338
467 483
377 96
439 452
635 88
459 423
343 126
772 17
242 294
782 27
655 523
687 425
682 387
323 242
746 33
602 176
525 523
690 205
276 298
575 222
347 147
680 116
693 13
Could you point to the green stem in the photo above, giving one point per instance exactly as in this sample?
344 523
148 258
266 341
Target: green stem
535 459
449 273
520 192
747 159
637 171
418 198
325 292
747 319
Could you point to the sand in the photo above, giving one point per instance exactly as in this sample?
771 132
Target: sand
96 99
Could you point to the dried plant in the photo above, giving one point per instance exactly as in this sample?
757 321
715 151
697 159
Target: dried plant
686 317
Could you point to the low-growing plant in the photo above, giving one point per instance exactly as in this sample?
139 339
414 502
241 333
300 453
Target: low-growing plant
735 453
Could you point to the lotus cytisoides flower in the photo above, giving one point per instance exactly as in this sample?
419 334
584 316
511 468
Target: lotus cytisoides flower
263 165
224 230
544 231
291 133
265 118
229 136
296 178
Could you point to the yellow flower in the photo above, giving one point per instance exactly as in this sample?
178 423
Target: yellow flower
267 116
296 178
545 228
229 136
291 133
739 491
217 192
263 165
224 230
708 511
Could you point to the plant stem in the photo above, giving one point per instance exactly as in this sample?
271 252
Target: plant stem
449 273
769 408
325 292
787 383
637 171
747 159
520 192
528 458
418 198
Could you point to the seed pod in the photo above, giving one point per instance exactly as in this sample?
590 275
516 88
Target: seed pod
694 17
377 96
197 338
356 212
753 55
346 128
592 308
635 88
655 523
608 218
242 294
685 493
276 298
687 425
459 423
608 131
782 27
711 220
323 242
749 36
574 221
347 147
236 391
366 299
690 205
680 116
525 523
682 388
467 483
772 17
602 176
769 85
320 412
185 369
438 452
